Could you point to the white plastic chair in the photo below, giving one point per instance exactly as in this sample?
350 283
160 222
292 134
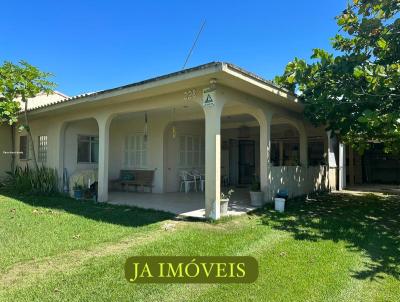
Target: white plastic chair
200 178
186 180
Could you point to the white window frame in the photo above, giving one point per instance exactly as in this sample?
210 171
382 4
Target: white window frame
135 151
191 151
91 138
42 148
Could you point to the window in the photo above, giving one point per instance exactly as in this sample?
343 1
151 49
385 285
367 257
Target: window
88 149
42 148
23 147
190 151
135 153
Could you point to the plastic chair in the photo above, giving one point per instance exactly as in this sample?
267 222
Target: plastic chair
186 180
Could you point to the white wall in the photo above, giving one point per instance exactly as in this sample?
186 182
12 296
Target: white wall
131 125
72 131
298 180
5 146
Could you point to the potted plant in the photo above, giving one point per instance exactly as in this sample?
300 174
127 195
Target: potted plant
78 191
256 195
224 202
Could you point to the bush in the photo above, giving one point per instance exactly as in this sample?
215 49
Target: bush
27 180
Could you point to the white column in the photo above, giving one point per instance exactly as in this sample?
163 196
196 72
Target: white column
213 157
331 160
264 119
104 122
342 166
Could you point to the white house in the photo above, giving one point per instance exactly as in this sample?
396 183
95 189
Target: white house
227 123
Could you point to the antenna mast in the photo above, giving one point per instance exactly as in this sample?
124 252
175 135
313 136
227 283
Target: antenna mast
194 44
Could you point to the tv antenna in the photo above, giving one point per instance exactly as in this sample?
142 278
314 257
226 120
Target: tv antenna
194 44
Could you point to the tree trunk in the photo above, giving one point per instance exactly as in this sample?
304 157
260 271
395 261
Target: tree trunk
28 129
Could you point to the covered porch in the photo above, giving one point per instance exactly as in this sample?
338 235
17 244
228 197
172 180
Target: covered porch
232 127
182 204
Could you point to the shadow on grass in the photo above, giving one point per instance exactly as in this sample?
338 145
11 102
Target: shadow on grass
367 223
115 214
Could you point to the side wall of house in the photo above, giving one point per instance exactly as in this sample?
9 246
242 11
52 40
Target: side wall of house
5 147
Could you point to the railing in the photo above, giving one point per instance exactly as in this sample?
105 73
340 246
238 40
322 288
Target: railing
298 180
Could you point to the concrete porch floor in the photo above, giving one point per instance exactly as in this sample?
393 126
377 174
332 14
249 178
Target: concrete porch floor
182 204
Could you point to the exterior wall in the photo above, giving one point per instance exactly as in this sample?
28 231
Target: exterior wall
72 131
333 176
131 125
5 146
38 127
298 180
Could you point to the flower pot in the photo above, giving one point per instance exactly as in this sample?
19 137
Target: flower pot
257 198
280 204
78 194
224 207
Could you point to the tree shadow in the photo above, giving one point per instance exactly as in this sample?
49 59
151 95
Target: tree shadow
367 223
104 212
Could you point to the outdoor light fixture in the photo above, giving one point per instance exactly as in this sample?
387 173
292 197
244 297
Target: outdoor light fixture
173 124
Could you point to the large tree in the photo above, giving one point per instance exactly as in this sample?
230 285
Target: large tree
21 82
355 92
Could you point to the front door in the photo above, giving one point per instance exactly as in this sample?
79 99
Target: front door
247 163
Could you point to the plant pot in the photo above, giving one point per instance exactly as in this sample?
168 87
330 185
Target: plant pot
257 198
224 207
280 204
78 194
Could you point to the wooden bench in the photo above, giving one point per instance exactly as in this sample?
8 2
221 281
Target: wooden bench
136 178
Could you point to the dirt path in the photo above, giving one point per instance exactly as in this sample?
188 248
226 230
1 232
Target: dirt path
31 270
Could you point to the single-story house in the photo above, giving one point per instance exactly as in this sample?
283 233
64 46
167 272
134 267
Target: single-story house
229 125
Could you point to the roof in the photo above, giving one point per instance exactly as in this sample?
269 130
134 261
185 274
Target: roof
220 65
44 100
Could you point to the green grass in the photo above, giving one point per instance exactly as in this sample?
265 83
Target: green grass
328 248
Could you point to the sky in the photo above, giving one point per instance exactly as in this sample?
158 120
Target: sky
96 45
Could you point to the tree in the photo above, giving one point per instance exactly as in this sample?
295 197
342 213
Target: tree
357 92
21 81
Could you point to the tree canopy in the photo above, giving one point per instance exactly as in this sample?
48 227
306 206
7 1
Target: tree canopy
356 93
20 81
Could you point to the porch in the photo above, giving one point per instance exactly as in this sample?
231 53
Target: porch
186 205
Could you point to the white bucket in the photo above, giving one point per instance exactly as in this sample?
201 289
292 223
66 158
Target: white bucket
280 204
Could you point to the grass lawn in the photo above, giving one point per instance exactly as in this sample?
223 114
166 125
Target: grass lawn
336 247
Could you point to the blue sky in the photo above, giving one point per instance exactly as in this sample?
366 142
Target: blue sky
94 45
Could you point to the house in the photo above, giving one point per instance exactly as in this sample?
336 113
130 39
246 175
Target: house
216 118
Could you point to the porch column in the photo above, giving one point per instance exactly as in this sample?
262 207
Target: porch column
331 160
212 114
104 122
281 153
342 166
264 120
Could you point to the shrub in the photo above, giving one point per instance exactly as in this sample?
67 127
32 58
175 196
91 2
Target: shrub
35 181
